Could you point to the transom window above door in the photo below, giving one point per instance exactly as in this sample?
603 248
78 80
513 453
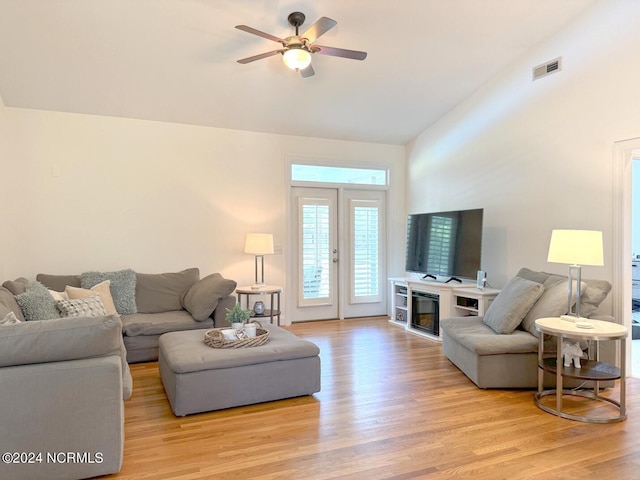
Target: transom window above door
330 174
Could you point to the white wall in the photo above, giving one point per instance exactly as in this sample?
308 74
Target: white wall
4 170
635 207
108 193
538 155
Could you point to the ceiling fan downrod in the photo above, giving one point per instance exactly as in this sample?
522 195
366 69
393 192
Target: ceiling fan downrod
296 19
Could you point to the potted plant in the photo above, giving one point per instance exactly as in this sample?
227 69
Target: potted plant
237 316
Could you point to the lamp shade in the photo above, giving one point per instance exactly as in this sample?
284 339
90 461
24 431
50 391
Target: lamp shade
259 243
576 247
296 58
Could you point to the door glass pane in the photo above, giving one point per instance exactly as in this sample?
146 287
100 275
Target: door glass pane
316 251
365 251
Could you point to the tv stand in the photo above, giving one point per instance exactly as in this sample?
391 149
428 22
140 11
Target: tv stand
454 279
454 300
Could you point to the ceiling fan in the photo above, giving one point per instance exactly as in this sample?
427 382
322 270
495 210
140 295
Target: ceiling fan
297 49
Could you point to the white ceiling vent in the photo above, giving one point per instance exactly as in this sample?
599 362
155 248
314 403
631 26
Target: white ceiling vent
552 66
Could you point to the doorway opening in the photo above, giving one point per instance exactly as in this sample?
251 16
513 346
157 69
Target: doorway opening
625 153
337 238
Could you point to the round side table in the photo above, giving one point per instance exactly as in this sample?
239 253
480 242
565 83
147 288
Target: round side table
273 291
591 369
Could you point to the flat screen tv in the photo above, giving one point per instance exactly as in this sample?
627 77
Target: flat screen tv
445 244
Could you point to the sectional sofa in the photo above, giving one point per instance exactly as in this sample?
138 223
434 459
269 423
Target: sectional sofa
152 304
63 381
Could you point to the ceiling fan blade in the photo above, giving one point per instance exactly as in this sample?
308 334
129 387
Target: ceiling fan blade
322 26
259 57
268 36
307 72
339 52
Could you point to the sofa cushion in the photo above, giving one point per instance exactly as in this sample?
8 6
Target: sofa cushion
8 304
592 296
102 289
528 274
475 335
202 298
161 292
512 304
82 307
159 323
58 282
37 303
123 288
17 286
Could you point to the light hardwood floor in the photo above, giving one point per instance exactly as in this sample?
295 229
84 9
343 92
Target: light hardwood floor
391 407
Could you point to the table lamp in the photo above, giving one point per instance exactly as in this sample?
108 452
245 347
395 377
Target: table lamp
259 244
576 248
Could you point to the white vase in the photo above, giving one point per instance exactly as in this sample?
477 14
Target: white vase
237 325
250 330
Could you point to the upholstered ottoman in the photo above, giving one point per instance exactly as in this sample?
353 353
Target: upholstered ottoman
198 378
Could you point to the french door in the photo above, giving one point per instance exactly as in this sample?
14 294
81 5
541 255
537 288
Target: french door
339 253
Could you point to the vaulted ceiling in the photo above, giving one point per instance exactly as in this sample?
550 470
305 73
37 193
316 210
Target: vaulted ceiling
175 60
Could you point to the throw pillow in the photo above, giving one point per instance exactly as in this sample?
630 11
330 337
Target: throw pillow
82 307
512 304
202 298
58 295
123 288
36 303
10 319
102 289
552 302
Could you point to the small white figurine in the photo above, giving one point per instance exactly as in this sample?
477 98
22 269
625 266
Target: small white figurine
571 352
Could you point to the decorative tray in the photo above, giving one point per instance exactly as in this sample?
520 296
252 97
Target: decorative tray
214 338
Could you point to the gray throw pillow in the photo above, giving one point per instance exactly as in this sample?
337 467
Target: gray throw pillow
512 304
37 303
202 298
123 288
552 303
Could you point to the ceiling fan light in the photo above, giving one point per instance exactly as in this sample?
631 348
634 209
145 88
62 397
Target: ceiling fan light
296 58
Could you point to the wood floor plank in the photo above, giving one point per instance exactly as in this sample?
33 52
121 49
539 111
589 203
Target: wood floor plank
391 407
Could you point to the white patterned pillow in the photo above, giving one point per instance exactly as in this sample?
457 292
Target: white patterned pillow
82 307
10 319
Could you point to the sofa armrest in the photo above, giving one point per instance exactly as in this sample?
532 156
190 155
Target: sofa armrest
55 408
220 312
64 339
